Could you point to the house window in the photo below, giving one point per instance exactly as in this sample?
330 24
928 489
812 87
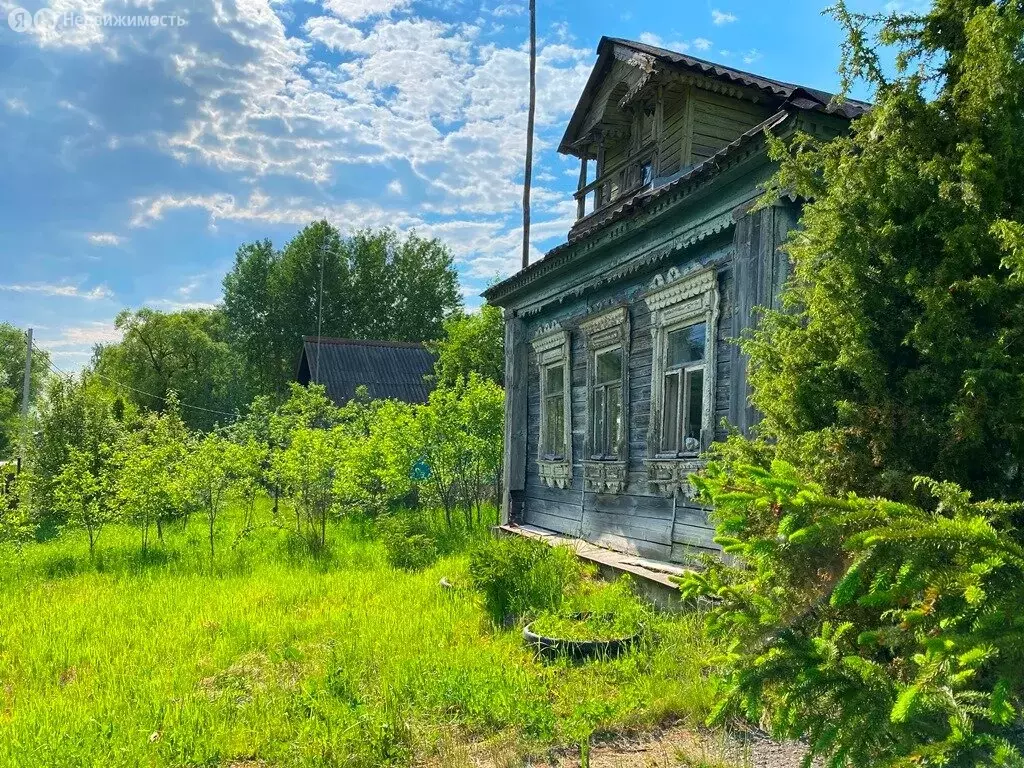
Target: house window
683 390
554 449
606 337
684 316
606 403
554 412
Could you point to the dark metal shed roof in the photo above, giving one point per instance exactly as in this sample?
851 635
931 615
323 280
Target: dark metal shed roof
389 369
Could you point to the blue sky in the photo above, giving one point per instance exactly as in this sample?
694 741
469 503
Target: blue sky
137 159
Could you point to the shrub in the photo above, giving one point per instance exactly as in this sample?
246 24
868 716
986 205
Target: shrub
883 633
519 577
408 541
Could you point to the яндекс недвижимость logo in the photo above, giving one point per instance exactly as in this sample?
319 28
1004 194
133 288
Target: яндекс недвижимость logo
22 20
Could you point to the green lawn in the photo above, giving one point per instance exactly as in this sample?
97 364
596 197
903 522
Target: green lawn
290 660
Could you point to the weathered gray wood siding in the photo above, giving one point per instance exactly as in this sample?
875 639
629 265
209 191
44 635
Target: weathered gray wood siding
718 120
637 520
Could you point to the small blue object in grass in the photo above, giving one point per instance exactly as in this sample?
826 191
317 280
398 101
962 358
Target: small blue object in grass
420 470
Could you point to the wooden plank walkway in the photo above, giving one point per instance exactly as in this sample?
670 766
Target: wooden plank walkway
652 576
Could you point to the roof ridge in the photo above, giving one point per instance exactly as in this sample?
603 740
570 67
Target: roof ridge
640 45
363 342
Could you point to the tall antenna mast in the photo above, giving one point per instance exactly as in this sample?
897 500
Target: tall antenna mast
528 173
320 309
26 389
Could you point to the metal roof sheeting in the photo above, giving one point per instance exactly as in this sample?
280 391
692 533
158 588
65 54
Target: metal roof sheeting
389 369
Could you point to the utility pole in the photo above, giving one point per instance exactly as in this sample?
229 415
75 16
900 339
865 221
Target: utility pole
528 174
26 390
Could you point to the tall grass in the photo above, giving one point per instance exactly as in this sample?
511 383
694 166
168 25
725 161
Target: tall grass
290 659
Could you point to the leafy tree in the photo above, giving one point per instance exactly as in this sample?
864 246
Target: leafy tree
82 415
885 634
17 523
252 319
378 446
215 471
461 429
483 414
376 285
82 494
472 343
307 471
183 352
899 351
148 460
12 377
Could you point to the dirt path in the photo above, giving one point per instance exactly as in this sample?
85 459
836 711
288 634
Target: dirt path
671 747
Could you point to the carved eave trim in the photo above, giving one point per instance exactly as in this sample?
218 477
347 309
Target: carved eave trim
605 476
676 287
670 476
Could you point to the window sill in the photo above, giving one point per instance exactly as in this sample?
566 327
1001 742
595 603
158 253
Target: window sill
605 475
670 474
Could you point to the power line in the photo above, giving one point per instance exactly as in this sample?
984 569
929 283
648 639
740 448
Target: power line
134 389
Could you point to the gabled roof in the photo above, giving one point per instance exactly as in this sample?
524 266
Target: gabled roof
782 93
389 369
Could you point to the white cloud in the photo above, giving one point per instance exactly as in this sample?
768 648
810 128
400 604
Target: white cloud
699 43
682 46
437 100
83 336
363 9
395 187
104 238
509 9
720 18
60 289
751 56
333 33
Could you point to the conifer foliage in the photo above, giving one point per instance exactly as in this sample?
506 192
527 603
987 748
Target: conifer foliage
885 634
899 350
871 610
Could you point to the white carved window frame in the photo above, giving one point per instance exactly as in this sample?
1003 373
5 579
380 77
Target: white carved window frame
605 332
552 348
676 301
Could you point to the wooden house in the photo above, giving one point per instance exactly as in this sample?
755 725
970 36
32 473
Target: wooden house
620 364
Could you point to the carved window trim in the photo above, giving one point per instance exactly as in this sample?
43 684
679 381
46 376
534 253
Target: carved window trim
606 332
552 348
676 301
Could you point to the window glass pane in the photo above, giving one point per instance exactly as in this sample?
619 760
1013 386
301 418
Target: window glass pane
554 426
609 367
614 419
553 380
600 424
670 421
686 345
695 409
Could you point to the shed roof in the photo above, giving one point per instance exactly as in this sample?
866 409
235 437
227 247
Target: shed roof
388 369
